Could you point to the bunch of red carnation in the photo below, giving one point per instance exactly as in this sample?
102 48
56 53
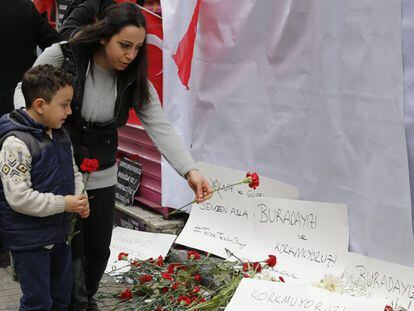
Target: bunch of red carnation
176 285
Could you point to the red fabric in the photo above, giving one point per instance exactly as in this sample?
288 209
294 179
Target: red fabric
154 54
184 55
47 6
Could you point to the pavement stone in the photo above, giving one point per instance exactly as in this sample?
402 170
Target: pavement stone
10 292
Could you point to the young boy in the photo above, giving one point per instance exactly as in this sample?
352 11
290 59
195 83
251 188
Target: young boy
39 184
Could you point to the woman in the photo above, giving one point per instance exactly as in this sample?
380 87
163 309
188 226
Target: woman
108 59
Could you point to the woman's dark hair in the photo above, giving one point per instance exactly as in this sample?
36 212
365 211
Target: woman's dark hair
113 20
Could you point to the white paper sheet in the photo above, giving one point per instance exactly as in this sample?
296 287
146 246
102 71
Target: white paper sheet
137 244
308 238
382 279
261 295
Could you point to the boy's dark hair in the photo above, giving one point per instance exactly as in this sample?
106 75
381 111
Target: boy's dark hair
43 81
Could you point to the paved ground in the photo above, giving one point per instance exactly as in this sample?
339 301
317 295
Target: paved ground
10 292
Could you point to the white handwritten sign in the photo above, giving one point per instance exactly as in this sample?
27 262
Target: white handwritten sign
220 176
380 278
262 295
308 238
137 244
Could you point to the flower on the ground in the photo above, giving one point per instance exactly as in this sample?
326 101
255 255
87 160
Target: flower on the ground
167 276
193 255
145 278
331 283
160 261
197 282
126 294
281 279
271 262
255 266
388 308
254 179
123 256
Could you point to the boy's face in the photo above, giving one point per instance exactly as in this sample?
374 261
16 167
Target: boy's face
55 112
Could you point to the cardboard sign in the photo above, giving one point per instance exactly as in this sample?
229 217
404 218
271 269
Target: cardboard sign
382 279
262 295
138 244
309 239
129 179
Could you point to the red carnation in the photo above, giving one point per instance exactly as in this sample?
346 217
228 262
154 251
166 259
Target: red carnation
197 277
388 308
246 267
160 261
145 278
123 256
271 262
193 255
257 267
166 276
175 285
135 263
89 165
185 299
254 179
196 289
171 268
126 294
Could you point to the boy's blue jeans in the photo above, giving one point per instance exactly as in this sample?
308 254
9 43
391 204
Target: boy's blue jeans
45 277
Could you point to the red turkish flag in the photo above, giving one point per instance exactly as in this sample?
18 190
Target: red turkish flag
47 6
154 53
184 55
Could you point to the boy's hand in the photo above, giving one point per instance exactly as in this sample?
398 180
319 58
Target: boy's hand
77 204
85 212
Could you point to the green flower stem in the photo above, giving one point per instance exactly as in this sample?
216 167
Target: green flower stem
75 217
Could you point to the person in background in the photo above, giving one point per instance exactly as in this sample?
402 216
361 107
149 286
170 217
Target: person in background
109 61
40 184
22 29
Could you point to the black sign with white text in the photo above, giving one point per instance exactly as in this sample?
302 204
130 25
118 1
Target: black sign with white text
129 179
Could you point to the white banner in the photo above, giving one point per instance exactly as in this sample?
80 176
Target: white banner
381 279
309 239
269 296
138 245
308 93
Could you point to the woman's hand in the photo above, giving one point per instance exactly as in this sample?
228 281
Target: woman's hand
200 186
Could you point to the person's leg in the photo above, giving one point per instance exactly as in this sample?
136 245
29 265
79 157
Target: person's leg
98 233
33 269
60 276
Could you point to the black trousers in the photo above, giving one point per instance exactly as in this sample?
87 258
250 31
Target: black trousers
91 245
